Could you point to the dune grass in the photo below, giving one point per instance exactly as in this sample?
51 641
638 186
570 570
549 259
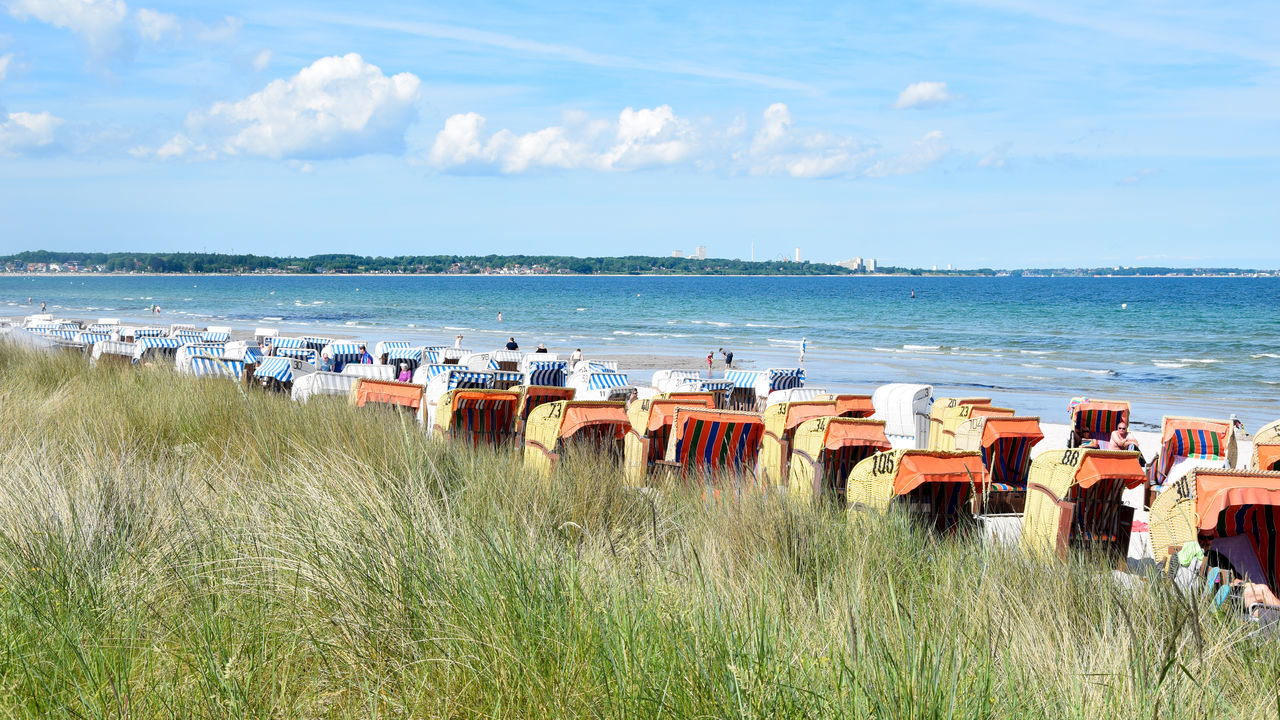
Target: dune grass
176 547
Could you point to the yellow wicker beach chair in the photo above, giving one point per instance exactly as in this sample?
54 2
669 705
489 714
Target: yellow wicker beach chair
825 450
531 396
1075 499
1206 504
476 416
945 415
780 423
1266 447
557 428
646 441
934 484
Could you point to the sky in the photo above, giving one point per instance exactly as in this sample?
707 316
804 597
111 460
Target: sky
975 133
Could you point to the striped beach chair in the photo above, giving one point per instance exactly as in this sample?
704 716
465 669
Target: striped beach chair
1005 442
710 446
1093 421
1075 500
1187 443
934 485
850 406
531 396
780 423
650 428
477 417
1206 504
825 450
321 383
557 429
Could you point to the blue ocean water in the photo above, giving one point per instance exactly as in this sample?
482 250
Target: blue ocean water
1204 346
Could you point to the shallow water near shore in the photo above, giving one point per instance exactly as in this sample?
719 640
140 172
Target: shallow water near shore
1204 346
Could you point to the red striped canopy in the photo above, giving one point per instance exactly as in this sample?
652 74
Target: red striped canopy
923 466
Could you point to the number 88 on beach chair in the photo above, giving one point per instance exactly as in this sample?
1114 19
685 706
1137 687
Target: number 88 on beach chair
1075 499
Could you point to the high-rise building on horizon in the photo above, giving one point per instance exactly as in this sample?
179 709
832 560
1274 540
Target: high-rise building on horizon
677 253
700 252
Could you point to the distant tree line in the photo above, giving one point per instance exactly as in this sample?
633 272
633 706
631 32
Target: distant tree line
461 264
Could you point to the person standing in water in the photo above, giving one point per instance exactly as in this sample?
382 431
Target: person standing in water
42 306
499 316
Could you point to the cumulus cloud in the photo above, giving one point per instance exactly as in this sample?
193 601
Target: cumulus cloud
4 65
658 137
157 26
178 146
779 148
924 94
110 31
637 139
923 153
22 133
336 107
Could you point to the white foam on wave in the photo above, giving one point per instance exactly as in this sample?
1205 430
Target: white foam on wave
623 332
888 350
782 341
1169 365
1086 370
450 327
272 319
1259 355
767 325
922 348
1271 382
1205 361
1036 352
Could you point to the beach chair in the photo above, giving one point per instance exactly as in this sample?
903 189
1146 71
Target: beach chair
904 408
156 349
650 427
406 397
321 383
1266 447
710 445
315 342
1185 444
793 395
1207 504
944 415
477 417
544 372
1075 500
373 372
531 396
209 366
342 353
934 485
508 360
850 406
600 384
556 429
1005 442
1093 421
112 352
507 379
751 388
780 423
382 350
825 450
278 373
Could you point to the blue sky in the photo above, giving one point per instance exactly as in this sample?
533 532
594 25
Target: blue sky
995 133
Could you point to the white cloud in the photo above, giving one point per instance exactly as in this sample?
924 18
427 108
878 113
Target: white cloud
658 137
924 94
336 107
777 148
157 26
111 31
262 60
24 132
4 65
923 153
178 146
995 157
98 22
637 139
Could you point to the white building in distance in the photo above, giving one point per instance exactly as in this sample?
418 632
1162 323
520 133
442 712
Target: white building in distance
700 252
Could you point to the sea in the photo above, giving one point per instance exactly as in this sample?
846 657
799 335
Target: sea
1202 346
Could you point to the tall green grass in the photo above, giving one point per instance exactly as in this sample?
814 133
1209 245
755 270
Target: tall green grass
176 547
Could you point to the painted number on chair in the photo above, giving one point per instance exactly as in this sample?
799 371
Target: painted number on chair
1070 457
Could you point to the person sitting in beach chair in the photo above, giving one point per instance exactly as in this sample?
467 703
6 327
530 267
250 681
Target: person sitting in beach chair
365 357
405 375
326 363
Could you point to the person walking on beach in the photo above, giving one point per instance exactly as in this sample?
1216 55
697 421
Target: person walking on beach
511 344
804 345
710 356
728 358
457 342
365 357
42 306
575 357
